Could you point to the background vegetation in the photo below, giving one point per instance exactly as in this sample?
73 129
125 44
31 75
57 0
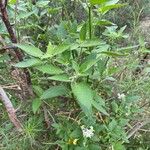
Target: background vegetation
81 81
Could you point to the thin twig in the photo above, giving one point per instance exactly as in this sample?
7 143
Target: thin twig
47 121
137 127
8 48
10 109
12 87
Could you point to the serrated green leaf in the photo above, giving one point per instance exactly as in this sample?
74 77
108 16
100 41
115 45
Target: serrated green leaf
49 69
50 48
101 66
37 90
112 125
106 8
88 64
36 103
61 77
84 96
54 91
98 99
55 50
28 63
31 50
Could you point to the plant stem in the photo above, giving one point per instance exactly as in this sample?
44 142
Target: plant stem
90 30
90 23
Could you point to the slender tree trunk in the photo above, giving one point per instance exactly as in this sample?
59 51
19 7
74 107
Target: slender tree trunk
18 55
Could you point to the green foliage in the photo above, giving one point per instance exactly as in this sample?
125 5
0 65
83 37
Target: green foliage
49 69
82 76
54 92
36 105
31 50
84 96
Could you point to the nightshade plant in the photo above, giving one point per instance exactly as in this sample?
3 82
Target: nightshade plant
74 64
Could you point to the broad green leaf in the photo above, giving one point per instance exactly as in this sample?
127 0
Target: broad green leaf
83 32
50 48
55 50
98 99
37 90
61 77
49 69
28 63
36 103
60 48
90 43
106 8
54 91
88 64
99 107
95 2
112 125
74 46
84 96
31 50
115 107
101 66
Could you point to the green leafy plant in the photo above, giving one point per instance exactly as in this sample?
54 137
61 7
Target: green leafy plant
81 73
74 66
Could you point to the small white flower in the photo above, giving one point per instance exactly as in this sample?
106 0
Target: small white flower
127 114
121 96
88 133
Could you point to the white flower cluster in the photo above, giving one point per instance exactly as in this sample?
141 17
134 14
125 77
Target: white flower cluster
121 96
87 132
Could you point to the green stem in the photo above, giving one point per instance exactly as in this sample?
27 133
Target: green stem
90 23
90 30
